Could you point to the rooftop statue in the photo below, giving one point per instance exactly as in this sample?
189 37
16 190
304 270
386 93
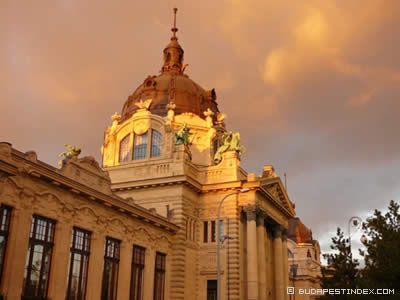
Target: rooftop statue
72 151
144 104
231 143
182 138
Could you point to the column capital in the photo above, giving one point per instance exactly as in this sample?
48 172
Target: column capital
251 212
284 234
261 215
277 231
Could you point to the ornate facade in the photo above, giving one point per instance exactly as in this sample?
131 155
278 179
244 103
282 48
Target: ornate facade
145 225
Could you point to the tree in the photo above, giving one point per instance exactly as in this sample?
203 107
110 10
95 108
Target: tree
382 253
341 271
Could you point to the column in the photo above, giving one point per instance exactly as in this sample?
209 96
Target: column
278 263
252 261
96 266
285 262
60 259
261 257
148 276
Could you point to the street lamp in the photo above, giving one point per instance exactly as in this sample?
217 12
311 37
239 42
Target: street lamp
356 222
219 239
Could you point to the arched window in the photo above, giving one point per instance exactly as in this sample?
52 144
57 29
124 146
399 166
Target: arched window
156 140
140 146
124 151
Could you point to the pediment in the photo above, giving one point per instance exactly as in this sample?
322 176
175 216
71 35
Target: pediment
275 188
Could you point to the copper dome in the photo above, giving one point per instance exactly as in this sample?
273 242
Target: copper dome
172 85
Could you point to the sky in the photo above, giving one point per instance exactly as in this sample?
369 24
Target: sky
313 87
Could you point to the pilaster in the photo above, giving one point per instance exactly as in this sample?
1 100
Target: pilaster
60 259
125 263
96 266
149 264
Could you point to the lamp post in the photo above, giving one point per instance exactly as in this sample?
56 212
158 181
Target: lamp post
219 239
356 222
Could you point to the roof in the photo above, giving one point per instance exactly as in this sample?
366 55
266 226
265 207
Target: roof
298 232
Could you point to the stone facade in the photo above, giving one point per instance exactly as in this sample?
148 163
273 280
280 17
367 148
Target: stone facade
77 195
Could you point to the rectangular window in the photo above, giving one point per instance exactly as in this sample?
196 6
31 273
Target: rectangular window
38 258
221 229
159 276
111 266
211 290
156 140
205 232
78 264
137 273
5 215
213 231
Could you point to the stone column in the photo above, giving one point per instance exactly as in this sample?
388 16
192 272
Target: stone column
278 264
252 261
285 262
261 257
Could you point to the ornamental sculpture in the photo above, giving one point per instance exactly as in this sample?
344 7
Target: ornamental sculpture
72 151
182 138
231 143
144 104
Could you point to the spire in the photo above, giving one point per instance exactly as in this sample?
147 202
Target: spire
173 53
174 29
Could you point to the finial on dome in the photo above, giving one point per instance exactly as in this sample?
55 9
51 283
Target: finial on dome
174 29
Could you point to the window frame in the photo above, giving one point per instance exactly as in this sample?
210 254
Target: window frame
148 138
115 259
133 294
5 233
160 260
129 146
83 252
47 245
151 143
205 231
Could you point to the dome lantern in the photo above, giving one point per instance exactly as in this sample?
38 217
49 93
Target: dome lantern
173 53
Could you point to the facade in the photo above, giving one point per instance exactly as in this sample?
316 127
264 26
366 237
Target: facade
65 235
170 151
304 260
144 226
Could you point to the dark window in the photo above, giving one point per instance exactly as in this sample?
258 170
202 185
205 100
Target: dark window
124 151
205 231
159 276
78 264
38 258
140 146
156 140
212 231
221 229
211 290
137 273
5 215
110 273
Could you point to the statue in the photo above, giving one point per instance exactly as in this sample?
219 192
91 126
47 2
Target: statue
72 151
144 104
231 143
171 113
182 138
208 114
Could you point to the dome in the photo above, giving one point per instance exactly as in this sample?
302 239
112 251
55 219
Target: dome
172 85
168 87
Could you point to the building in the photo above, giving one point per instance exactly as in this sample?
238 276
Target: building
145 225
65 235
304 260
